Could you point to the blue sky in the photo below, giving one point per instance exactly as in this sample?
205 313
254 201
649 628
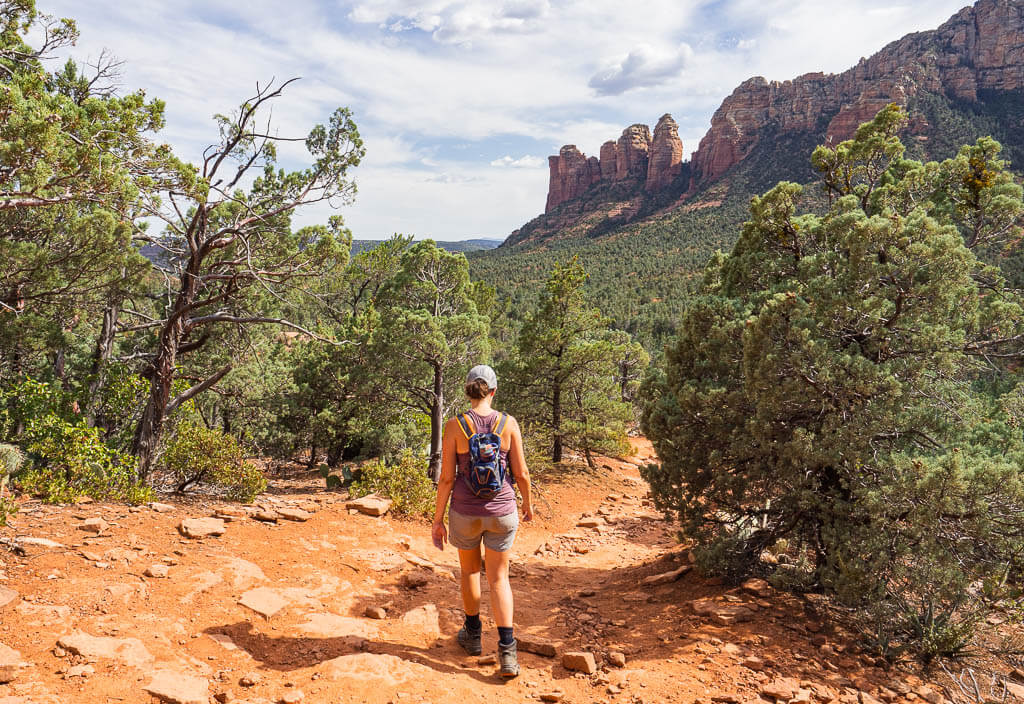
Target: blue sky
460 102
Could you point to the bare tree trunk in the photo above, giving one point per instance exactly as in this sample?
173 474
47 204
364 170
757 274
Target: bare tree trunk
150 427
556 422
104 348
436 423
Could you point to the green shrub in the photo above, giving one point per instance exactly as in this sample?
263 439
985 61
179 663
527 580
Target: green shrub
406 483
70 459
201 455
67 457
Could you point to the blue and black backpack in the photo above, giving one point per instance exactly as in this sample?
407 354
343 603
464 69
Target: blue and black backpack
487 469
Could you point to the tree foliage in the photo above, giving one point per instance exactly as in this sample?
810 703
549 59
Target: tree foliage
843 383
564 373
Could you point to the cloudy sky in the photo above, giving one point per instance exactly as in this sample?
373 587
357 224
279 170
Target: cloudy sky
461 101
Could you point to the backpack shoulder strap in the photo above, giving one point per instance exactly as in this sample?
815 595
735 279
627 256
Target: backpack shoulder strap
502 420
462 419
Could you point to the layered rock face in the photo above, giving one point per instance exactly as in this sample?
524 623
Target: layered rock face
666 160
652 161
981 47
571 174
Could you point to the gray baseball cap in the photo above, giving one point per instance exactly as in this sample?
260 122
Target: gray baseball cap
482 371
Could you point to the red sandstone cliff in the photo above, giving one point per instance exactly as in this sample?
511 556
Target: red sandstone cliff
981 47
651 161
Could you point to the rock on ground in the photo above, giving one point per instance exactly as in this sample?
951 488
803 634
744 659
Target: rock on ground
538 646
7 596
781 689
178 688
201 527
157 571
129 651
93 525
294 514
10 661
328 625
264 601
580 662
385 671
370 505
423 620
665 577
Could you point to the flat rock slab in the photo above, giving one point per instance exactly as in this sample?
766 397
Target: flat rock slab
722 614
294 514
178 688
665 577
758 587
264 601
385 671
242 573
328 625
424 621
781 689
45 543
10 662
129 651
378 560
371 505
538 646
7 596
580 662
161 508
94 525
157 571
201 527
44 614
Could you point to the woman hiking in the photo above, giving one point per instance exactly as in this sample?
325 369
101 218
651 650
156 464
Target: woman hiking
477 474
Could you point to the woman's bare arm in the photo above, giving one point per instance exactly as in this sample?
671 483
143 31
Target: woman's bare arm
517 461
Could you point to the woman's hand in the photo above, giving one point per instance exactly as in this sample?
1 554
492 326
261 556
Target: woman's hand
527 512
439 534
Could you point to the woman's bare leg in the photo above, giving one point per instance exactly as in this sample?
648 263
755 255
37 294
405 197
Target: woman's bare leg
469 580
501 590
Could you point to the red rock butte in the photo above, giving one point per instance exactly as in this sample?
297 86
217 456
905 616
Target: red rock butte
653 161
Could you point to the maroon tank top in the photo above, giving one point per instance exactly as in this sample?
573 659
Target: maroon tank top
465 501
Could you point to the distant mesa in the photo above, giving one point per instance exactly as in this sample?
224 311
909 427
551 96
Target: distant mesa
651 161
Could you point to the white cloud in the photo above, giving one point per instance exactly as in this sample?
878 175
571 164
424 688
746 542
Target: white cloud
523 162
453 22
643 67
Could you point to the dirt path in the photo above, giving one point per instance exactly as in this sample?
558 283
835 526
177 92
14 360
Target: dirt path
93 619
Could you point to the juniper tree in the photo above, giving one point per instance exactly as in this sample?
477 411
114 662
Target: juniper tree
846 382
565 374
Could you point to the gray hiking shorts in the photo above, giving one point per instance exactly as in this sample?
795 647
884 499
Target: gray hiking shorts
497 532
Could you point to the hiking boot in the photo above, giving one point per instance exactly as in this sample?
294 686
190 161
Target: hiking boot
508 659
469 641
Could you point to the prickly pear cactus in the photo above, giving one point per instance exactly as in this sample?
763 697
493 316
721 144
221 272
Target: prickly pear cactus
10 462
